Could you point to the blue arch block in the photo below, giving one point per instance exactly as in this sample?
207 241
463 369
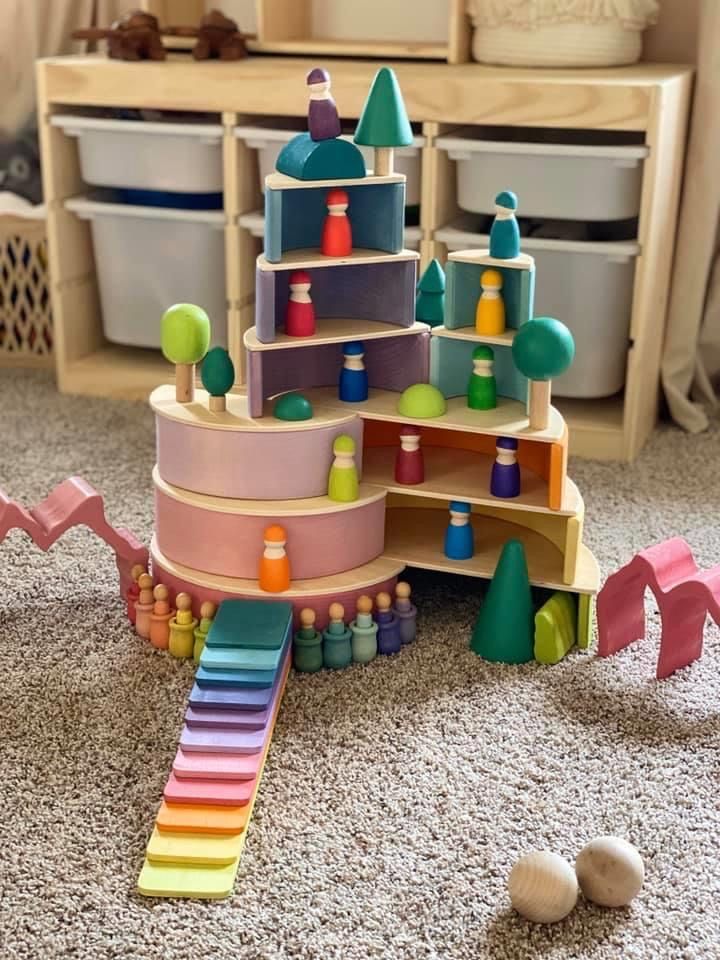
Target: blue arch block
307 159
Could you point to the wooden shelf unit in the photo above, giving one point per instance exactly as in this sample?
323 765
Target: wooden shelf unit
652 99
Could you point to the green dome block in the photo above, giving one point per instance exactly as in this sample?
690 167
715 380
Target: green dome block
306 159
292 406
421 401
217 372
384 121
543 348
184 333
505 628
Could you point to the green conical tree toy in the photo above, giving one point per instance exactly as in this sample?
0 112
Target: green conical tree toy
218 376
542 349
430 302
384 123
184 339
504 630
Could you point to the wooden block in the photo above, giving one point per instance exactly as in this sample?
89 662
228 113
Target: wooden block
194 740
216 766
231 659
198 882
250 624
226 719
200 818
234 679
220 793
231 698
195 848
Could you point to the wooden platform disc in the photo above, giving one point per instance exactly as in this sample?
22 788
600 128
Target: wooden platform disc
508 419
280 181
482 258
311 258
504 339
334 330
416 535
453 474
195 848
225 536
379 575
200 882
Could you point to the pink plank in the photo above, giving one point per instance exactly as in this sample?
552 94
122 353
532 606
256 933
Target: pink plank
216 766
215 793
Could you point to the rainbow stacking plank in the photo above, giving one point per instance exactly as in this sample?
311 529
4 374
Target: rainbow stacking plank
195 847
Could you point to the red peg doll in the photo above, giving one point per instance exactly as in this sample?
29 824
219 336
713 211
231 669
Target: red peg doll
336 234
300 315
409 461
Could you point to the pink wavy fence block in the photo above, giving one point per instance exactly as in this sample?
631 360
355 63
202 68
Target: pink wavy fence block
685 596
73 503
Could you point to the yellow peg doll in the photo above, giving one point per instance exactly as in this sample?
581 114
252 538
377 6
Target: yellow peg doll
490 312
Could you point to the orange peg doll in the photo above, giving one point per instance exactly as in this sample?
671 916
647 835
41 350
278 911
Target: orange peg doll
133 591
182 628
336 238
144 606
274 572
160 618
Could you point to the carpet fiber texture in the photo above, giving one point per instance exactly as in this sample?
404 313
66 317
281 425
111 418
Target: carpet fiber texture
396 796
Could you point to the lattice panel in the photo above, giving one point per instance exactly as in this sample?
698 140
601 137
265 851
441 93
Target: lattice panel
25 312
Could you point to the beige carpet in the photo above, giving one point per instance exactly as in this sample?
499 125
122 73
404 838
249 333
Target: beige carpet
396 797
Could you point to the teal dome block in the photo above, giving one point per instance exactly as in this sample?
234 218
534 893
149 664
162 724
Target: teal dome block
292 406
306 159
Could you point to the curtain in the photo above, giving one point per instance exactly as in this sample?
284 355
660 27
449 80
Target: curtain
691 357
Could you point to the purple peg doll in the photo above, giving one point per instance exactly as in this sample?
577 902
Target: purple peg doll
323 120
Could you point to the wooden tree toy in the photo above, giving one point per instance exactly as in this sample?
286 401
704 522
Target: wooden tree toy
218 375
144 606
459 537
134 36
307 644
185 338
409 460
406 612
133 591
353 384
160 618
388 637
482 388
542 349
274 568
207 614
182 628
384 123
218 37
505 233
364 631
490 312
336 237
430 300
543 887
300 313
504 630
343 483
337 639
505 473
323 120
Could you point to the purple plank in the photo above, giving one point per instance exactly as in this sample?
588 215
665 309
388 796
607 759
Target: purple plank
226 719
203 740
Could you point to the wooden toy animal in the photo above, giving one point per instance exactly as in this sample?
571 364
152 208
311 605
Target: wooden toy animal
134 36
218 38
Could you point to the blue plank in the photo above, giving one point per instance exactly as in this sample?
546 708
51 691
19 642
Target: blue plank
234 678
250 625
239 658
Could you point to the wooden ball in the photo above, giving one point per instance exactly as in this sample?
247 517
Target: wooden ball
160 592
307 617
207 610
336 611
145 581
183 601
610 871
364 604
383 601
136 571
543 887
402 590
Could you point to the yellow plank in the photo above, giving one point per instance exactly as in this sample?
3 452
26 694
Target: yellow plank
195 848
174 880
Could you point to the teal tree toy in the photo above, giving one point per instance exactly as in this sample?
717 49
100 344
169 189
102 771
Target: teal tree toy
430 302
184 338
218 376
505 233
542 349
384 123
504 630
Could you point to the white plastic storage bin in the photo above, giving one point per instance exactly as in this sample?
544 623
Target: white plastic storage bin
255 223
590 175
270 140
175 157
148 258
587 285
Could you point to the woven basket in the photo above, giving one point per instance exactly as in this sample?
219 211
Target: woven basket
25 313
560 33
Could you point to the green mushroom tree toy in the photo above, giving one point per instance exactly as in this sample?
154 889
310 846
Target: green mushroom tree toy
218 376
384 123
185 338
430 301
542 349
